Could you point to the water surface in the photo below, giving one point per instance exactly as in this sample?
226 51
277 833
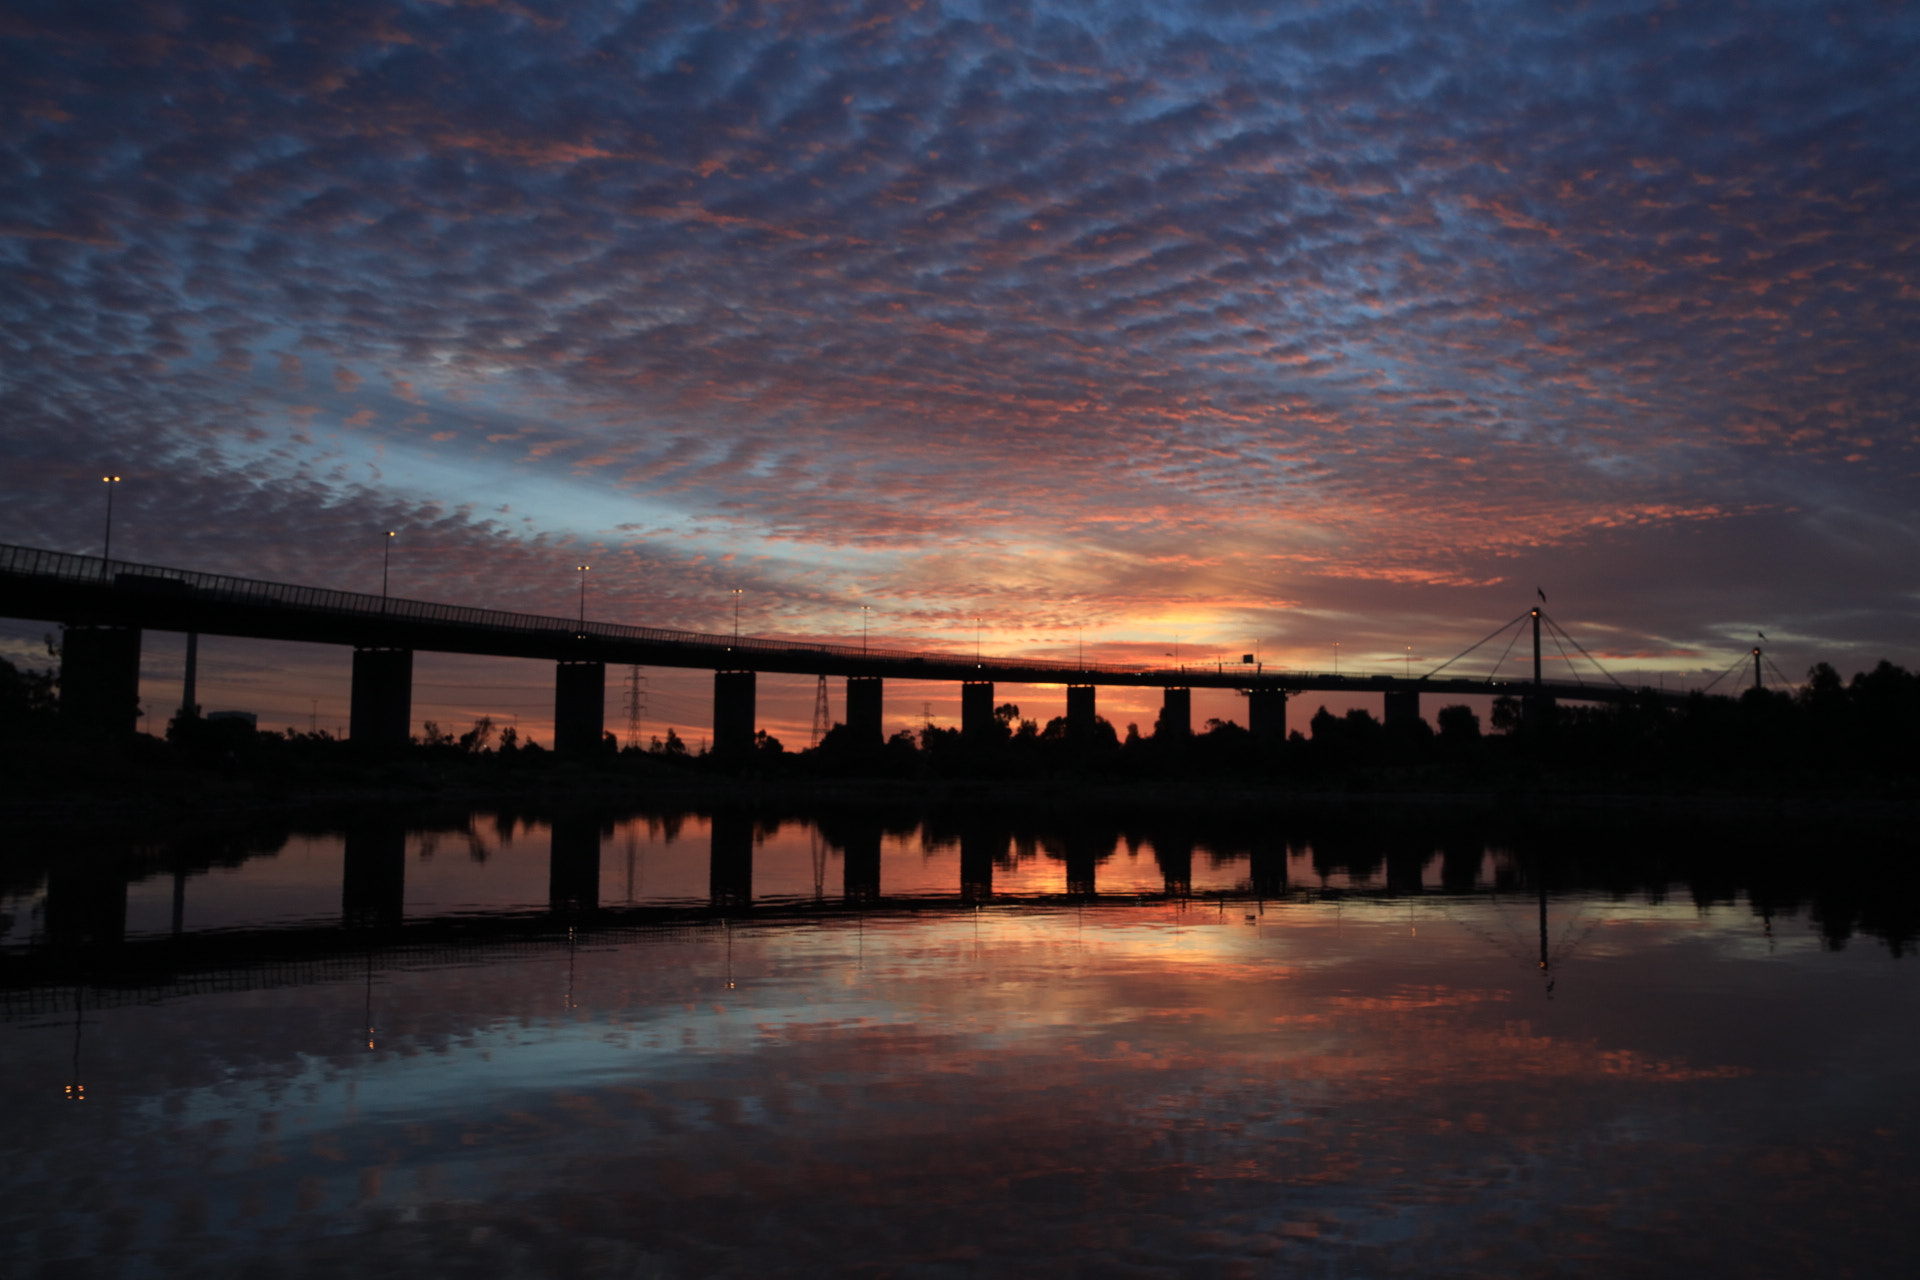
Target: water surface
1108 1054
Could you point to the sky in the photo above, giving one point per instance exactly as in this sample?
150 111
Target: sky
1276 326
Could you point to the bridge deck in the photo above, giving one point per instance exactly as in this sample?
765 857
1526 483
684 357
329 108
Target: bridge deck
87 590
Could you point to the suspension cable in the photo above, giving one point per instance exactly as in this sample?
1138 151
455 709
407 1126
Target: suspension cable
1737 662
1470 648
1590 658
1555 633
1503 654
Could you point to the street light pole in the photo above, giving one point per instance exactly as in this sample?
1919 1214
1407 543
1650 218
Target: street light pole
110 481
866 612
583 597
386 563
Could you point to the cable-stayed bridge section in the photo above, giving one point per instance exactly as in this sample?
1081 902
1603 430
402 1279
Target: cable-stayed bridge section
104 605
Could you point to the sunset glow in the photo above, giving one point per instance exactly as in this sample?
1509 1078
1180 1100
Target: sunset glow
1115 326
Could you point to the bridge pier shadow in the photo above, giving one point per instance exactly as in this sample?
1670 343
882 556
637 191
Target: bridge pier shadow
1406 862
1082 853
730 869
857 836
87 901
1267 867
1460 864
980 848
373 877
1175 855
573 867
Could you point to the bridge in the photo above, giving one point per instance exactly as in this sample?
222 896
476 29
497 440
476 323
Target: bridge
104 605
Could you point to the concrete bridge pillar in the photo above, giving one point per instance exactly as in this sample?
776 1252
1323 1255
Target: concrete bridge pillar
1267 716
373 877
865 702
1403 706
381 714
1080 712
976 711
733 714
579 707
573 866
1176 714
100 679
730 871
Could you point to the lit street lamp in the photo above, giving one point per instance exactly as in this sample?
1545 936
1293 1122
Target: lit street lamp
736 616
386 563
582 569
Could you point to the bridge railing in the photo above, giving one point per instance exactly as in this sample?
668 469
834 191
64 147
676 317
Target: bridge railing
129 576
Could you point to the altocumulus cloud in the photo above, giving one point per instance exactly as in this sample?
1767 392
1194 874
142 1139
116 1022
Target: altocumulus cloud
1257 315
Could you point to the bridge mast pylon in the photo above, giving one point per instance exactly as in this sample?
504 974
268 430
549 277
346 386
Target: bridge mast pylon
1536 651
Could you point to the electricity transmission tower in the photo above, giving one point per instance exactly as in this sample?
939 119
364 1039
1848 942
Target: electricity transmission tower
822 717
636 704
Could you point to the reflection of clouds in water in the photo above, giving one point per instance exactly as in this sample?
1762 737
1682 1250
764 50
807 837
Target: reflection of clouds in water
1139 1085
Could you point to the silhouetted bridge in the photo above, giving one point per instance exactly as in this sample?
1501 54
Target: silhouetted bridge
105 604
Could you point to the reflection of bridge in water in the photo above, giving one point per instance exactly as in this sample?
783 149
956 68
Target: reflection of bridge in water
105 604
84 951
84 938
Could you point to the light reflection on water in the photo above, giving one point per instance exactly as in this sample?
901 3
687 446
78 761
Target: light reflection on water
1242 1084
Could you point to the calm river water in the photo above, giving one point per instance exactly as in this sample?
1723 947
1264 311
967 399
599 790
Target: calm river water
680 1045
